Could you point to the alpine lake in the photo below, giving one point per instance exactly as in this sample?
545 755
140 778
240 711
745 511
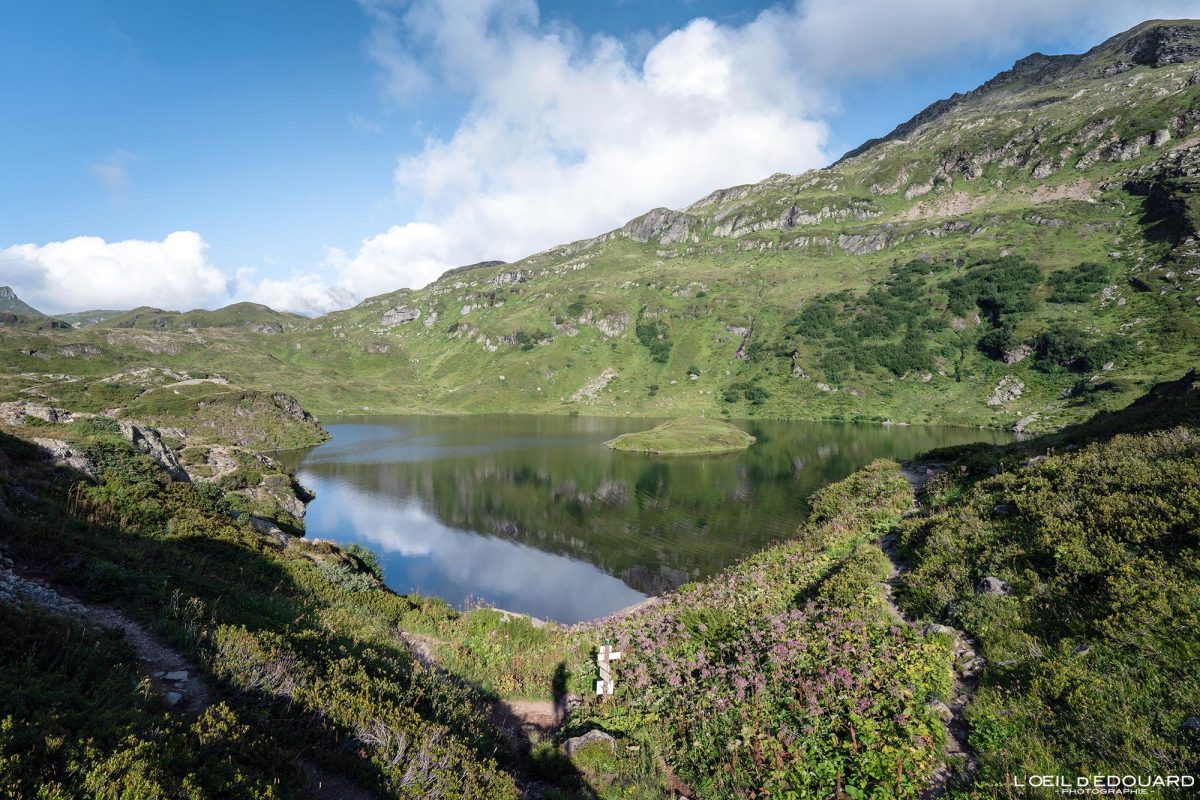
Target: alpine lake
534 514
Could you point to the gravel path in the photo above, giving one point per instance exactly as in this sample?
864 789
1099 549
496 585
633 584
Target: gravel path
967 663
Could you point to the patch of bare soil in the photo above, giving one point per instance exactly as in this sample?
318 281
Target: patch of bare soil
955 204
1076 190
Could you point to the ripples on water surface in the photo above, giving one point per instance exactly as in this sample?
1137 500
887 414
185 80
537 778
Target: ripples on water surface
534 514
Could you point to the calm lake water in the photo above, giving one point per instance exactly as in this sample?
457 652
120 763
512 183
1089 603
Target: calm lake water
534 514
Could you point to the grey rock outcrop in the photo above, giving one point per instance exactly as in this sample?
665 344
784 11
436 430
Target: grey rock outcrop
613 325
593 387
14 413
1015 355
14 589
79 351
149 442
510 277
63 454
290 406
398 316
288 494
1007 390
861 244
663 224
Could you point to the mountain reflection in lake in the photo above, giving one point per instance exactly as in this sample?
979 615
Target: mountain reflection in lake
534 514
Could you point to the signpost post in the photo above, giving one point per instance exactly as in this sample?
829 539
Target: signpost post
604 656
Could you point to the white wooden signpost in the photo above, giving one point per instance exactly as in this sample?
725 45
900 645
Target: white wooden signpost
603 656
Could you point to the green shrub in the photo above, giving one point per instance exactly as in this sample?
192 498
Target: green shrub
366 558
655 337
1079 284
996 342
998 288
346 577
76 720
243 477
1064 346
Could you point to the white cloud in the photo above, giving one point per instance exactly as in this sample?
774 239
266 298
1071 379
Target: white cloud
89 272
113 174
307 293
567 137
401 73
364 124
114 178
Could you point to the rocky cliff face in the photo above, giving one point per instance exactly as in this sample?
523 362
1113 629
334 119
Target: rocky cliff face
149 442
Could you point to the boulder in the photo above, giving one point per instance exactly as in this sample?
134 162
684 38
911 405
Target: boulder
1007 390
993 586
940 709
1015 355
14 413
577 743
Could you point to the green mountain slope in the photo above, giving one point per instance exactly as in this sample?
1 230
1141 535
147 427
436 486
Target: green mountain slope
1022 254
253 316
82 319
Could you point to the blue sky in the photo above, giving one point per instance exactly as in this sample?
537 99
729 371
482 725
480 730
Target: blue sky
187 154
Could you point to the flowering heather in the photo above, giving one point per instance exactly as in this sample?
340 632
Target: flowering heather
750 687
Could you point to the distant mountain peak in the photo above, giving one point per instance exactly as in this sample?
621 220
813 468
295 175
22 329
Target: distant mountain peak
11 304
1156 43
